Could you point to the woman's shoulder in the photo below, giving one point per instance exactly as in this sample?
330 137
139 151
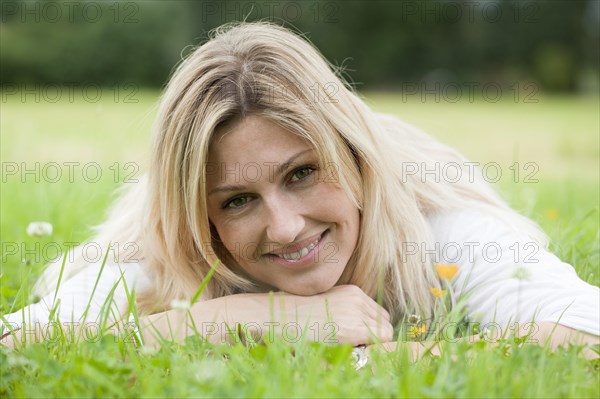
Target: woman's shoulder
477 224
476 238
507 276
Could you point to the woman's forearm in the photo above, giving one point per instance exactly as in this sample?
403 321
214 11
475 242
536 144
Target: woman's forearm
559 335
342 315
216 320
550 333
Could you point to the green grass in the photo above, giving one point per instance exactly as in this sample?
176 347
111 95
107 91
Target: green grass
560 134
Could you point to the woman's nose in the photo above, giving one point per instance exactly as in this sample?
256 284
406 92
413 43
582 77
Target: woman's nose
284 220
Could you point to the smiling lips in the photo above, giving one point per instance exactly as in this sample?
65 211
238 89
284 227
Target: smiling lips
306 246
303 252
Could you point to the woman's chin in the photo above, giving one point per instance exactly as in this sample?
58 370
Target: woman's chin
309 290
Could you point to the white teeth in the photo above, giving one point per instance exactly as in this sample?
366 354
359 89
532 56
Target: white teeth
302 253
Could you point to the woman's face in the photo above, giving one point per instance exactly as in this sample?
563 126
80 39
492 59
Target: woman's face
281 218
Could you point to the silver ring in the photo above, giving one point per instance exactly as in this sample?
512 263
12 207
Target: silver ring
359 354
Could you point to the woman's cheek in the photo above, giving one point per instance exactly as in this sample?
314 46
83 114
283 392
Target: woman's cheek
240 235
226 229
330 198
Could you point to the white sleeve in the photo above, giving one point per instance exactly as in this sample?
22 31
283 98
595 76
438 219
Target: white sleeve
75 296
506 278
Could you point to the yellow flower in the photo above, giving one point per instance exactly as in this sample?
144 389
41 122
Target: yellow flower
415 331
551 213
437 292
446 271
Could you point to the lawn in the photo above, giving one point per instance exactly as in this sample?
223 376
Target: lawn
62 160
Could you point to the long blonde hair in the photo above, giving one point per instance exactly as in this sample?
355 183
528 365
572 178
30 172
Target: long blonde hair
263 69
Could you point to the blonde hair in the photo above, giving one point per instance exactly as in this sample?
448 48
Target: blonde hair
266 70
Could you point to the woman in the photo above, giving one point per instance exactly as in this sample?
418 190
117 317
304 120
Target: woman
310 208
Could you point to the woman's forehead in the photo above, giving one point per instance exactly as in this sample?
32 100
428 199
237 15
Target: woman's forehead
255 145
254 137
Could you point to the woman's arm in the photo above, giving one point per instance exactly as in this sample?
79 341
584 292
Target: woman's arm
344 314
548 333
88 302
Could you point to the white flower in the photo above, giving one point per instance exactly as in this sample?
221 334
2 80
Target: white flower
39 229
179 304
414 319
491 334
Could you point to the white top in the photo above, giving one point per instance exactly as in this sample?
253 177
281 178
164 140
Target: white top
506 278
75 296
503 276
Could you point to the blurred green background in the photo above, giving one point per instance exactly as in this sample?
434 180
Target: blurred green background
383 44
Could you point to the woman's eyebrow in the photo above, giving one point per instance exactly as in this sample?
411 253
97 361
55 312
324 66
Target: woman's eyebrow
284 166
226 188
279 170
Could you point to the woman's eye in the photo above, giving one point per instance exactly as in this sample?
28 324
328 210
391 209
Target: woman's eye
236 202
302 173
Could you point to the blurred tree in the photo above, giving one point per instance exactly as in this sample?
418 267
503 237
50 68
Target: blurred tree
381 43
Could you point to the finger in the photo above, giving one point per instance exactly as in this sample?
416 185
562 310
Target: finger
374 309
353 298
378 312
382 332
357 330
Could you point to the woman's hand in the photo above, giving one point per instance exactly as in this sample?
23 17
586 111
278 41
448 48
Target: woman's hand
356 318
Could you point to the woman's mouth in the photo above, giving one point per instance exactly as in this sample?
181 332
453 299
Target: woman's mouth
302 256
301 253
